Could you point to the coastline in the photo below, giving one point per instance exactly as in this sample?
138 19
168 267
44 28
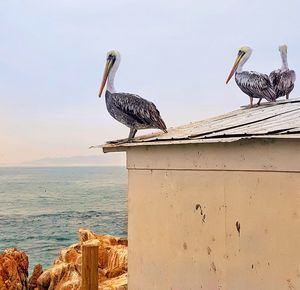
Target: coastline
66 269
41 209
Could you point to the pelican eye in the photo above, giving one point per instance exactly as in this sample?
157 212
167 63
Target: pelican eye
111 57
241 52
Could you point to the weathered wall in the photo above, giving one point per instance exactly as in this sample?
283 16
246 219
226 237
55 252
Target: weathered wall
220 216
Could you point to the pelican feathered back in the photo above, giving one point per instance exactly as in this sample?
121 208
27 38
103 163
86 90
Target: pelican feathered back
283 81
134 111
255 85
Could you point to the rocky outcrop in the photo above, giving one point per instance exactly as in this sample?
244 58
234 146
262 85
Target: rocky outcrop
65 273
13 270
37 272
61 276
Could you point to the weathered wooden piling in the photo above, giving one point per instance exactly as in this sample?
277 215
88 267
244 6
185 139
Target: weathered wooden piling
90 265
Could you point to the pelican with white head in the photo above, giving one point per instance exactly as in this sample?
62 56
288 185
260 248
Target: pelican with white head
129 109
253 84
283 79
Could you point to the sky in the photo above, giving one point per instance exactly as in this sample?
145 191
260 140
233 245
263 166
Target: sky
177 54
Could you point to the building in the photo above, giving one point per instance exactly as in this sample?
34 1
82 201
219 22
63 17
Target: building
215 204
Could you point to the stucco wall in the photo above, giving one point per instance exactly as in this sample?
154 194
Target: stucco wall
219 216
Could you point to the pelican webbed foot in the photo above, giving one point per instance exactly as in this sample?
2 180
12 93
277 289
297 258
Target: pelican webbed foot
125 140
119 141
258 103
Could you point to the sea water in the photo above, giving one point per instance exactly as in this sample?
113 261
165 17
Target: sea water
41 209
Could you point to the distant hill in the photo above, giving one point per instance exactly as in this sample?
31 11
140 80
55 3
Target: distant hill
92 160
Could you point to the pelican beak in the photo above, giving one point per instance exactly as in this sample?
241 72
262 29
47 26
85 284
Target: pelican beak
235 65
105 75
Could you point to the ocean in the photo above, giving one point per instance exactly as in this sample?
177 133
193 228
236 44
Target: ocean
41 209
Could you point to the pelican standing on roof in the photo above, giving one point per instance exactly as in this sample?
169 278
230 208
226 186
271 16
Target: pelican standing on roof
129 109
253 84
283 79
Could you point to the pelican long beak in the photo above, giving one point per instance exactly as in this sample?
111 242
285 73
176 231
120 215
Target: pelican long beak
235 65
105 75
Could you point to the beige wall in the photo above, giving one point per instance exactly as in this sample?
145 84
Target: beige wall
184 202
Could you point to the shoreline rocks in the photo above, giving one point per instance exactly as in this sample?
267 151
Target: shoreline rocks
65 273
13 270
37 272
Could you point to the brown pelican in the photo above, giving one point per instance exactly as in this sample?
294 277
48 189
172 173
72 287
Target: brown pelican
131 110
283 79
253 84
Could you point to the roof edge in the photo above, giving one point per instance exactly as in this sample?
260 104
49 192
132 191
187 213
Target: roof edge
107 148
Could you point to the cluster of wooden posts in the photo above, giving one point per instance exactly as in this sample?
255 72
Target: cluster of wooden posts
89 272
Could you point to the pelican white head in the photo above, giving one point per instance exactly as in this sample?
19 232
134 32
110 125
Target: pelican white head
283 48
113 59
243 55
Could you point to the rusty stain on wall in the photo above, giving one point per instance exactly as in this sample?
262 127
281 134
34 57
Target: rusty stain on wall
238 227
208 250
185 245
213 266
199 207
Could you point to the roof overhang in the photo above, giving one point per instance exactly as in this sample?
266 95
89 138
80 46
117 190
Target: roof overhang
124 147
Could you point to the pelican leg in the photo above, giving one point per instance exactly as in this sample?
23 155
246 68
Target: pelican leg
131 134
251 102
125 140
287 96
258 103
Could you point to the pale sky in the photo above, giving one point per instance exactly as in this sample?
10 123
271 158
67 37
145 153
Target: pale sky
177 54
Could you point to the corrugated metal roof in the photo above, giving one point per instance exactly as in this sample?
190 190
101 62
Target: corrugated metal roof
270 120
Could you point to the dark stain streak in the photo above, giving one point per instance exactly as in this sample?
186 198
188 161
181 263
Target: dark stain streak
213 266
203 218
185 245
290 284
208 250
238 227
199 207
252 267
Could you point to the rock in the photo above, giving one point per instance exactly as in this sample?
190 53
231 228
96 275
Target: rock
65 273
13 270
117 283
117 261
61 276
37 272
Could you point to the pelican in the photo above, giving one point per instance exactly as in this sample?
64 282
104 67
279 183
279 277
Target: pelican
253 84
283 79
129 109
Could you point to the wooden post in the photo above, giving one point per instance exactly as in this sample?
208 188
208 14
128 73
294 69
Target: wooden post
89 266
